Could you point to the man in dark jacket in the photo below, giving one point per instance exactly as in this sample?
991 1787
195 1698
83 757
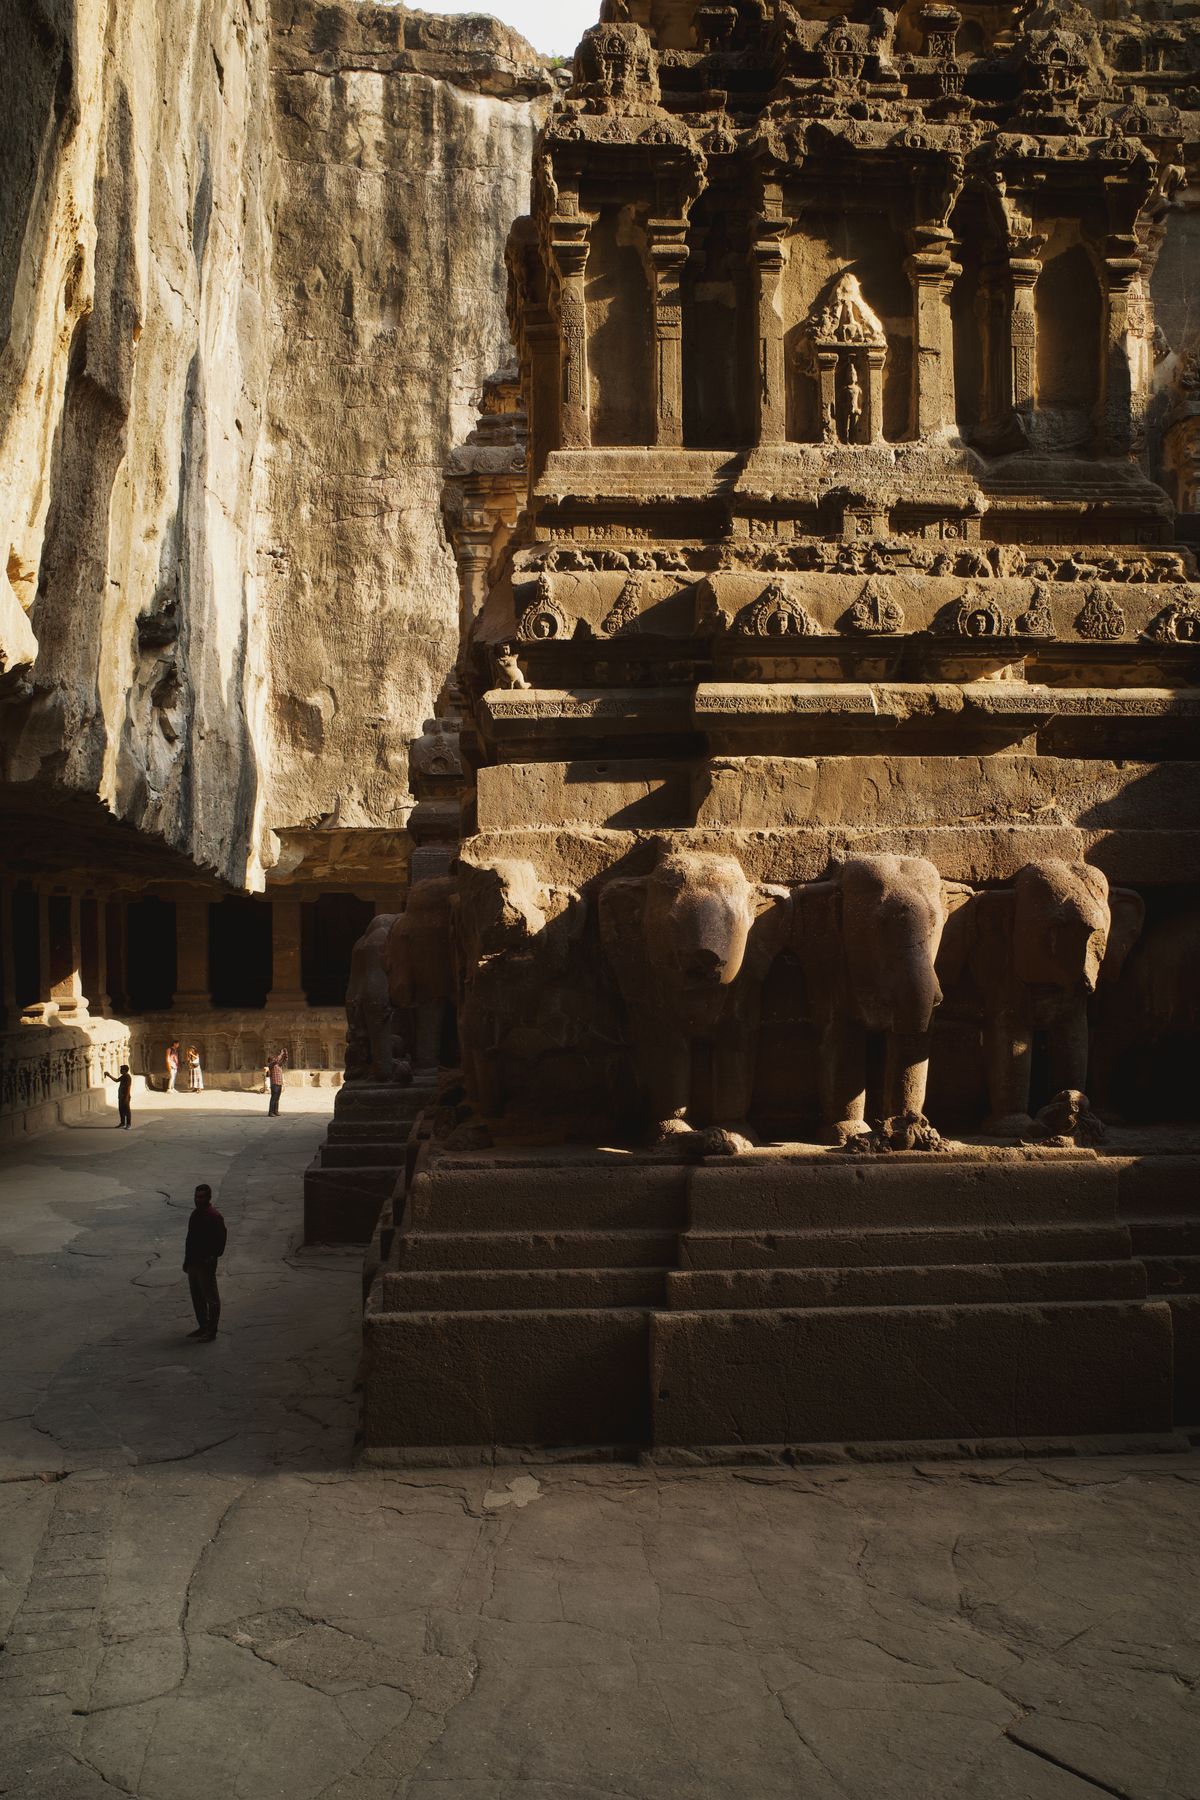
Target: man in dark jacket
204 1247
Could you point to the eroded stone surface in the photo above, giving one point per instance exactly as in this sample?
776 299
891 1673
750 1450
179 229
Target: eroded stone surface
260 1618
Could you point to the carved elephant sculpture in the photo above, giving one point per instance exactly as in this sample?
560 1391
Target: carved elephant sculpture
374 1051
420 970
514 935
690 944
867 940
1035 952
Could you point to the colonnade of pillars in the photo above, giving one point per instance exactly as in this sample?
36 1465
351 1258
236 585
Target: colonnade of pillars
64 956
556 330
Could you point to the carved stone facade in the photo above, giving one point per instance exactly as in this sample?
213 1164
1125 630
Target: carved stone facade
830 716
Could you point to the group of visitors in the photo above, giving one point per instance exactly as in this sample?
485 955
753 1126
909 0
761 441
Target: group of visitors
275 1068
194 1081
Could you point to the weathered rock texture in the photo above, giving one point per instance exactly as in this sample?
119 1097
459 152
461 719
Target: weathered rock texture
249 289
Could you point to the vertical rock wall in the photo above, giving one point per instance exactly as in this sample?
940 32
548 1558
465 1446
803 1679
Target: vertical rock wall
250 284
405 144
135 259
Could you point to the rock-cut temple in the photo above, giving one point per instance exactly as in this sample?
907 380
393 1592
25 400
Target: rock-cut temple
807 894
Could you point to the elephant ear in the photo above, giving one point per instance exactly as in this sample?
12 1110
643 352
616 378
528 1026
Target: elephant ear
771 928
622 907
978 936
957 931
1127 912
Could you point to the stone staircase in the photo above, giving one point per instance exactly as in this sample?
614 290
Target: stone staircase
785 1297
357 1167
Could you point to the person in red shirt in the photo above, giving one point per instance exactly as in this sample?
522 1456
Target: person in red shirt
203 1250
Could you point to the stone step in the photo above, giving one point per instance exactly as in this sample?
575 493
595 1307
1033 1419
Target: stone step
947 1284
368 1131
752 1194
618 1377
482 1250
865 1374
492 1290
360 1156
554 1379
342 1206
1160 1187
449 1196
877 1245
1166 1237
1173 1274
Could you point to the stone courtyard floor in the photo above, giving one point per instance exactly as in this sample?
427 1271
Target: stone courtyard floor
202 1598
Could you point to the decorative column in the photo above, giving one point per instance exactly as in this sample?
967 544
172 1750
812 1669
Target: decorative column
116 953
286 989
569 245
62 958
874 356
102 997
766 252
666 247
541 335
931 270
1024 267
1121 270
191 956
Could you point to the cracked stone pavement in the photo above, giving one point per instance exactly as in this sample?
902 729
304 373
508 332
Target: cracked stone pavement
203 1598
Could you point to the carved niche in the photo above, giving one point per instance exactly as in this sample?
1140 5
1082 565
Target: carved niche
843 350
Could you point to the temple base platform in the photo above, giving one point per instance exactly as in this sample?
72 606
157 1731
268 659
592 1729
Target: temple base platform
586 1299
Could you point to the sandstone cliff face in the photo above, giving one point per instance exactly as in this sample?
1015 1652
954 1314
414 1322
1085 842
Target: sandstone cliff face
405 144
249 288
136 260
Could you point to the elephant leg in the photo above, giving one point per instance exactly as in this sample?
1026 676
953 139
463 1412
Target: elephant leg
843 1079
732 1080
905 1073
1067 1051
666 1068
1009 1060
428 1034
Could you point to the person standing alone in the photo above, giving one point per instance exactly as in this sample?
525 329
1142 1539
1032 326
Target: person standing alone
275 1067
124 1083
203 1250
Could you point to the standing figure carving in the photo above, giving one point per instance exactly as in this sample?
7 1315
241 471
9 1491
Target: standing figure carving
374 1047
519 1009
867 942
420 971
1035 952
689 944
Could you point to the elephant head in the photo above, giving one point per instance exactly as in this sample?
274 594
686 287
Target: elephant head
893 911
689 944
867 941
505 906
523 1002
1036 952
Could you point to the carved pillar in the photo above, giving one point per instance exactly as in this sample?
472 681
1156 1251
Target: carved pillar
569 245
1022 332
62 958
541 336
286 987
1120 270
473 546
931 269
116 954
666 247
873 356
766 253
102 997
191 955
